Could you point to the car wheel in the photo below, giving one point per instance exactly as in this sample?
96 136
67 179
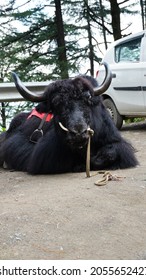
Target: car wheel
111 108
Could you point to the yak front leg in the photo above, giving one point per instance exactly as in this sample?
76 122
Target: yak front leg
106 157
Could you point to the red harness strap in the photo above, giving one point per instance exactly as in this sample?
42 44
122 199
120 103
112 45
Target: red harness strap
34 112
38 133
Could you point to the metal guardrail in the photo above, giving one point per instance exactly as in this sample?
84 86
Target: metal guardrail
9 93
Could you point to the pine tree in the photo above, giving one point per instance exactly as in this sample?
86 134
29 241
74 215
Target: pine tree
143 13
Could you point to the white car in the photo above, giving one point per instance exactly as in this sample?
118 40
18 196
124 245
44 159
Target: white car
126 96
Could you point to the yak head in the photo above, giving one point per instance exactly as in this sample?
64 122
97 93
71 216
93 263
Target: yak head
71 102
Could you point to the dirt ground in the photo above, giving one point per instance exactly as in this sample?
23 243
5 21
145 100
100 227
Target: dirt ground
68 217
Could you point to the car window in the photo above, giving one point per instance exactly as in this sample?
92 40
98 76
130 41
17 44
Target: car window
128 51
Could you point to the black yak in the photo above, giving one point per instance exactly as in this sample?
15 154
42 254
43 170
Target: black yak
53 138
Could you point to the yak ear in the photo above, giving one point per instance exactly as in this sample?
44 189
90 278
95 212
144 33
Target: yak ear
46 106
84 84
43 107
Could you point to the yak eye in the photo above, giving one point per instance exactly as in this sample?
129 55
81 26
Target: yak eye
56 101
87 94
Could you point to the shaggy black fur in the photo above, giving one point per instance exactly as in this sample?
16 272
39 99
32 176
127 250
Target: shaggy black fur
72 103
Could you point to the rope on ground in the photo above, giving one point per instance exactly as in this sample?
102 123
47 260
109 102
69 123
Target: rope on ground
107 176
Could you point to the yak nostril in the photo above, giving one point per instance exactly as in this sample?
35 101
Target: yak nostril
73 133
83 133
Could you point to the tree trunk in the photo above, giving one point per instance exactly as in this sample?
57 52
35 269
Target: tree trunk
143 13
115 14
91 51
102 20
62 58
3 115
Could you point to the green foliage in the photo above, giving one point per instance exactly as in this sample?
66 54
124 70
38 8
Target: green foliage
29 37
134 120
11 109
2 129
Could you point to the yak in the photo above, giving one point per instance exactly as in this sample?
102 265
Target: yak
53 137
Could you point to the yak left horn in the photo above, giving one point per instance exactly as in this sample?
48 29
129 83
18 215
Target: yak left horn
26 93
107 81
63 127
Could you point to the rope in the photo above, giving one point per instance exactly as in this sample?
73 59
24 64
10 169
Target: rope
107 176
91 132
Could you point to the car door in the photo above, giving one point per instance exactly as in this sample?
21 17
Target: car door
143 67
127 78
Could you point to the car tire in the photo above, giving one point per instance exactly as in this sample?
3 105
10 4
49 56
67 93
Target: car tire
111 108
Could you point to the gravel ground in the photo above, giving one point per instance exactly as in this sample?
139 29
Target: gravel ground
68 217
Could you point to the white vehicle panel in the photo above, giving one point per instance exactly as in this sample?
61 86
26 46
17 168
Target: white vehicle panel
128 86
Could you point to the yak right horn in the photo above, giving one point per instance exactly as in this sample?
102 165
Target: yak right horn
106 83
26 93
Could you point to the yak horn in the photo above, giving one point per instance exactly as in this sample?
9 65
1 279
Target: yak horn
63 127
26 93
106 83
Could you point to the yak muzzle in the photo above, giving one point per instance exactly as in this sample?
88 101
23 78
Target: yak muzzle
77 139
